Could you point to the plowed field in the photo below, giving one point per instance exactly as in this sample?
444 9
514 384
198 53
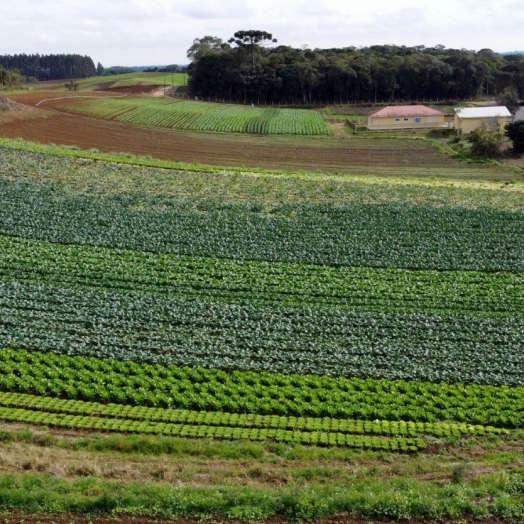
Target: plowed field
351 155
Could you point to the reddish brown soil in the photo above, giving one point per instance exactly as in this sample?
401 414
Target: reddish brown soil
301 154
68 518
131 90
517 159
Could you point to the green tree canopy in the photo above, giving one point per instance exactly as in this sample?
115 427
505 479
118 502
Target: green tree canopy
204 46
9 77
50 67
487 142
247 68
252 39
515 132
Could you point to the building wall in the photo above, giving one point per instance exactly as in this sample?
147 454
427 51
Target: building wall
405 122
519 115
468 125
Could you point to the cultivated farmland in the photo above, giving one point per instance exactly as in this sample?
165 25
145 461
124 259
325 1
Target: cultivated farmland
131 80
235 312
197 116
359 156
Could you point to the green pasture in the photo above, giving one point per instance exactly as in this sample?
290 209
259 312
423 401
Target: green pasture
132 79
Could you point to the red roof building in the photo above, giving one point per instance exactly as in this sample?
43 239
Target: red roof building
405 117
396 111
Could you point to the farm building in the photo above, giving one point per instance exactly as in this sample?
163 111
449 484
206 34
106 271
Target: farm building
405 117
467 119
519 115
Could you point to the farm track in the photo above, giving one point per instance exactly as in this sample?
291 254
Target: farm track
70 518
352 155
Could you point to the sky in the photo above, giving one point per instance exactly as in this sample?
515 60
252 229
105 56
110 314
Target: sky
155 32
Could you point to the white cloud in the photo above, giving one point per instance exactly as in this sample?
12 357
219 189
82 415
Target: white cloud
215 9
140 32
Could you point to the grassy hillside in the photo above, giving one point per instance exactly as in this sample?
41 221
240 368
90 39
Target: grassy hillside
131 79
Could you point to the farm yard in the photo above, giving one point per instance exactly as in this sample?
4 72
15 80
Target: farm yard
353 318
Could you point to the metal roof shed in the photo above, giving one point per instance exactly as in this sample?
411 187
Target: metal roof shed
467 119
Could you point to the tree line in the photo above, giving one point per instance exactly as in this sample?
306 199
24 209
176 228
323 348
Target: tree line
9 77
245 68
172 68
50 67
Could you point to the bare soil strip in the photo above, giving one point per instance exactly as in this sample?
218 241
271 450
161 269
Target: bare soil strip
345 155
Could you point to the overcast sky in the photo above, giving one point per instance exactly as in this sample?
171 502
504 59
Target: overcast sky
147 32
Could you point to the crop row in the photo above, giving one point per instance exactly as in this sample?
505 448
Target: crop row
202 116
218 432
450 348
141 384
379 235
220 280
276 121
206 418
77 169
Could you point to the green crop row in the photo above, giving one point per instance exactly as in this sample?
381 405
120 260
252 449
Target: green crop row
107 307
411 346
140 384
232 281
201 116
219 432
378 235
206 418
78 169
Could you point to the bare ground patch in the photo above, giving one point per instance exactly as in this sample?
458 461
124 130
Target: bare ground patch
70 518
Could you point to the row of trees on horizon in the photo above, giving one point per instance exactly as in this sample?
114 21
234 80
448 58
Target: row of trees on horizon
60 67
252 67
244 68
49 67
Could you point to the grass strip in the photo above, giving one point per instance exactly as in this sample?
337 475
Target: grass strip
489 496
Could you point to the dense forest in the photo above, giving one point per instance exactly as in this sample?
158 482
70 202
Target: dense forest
245 69
50 67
